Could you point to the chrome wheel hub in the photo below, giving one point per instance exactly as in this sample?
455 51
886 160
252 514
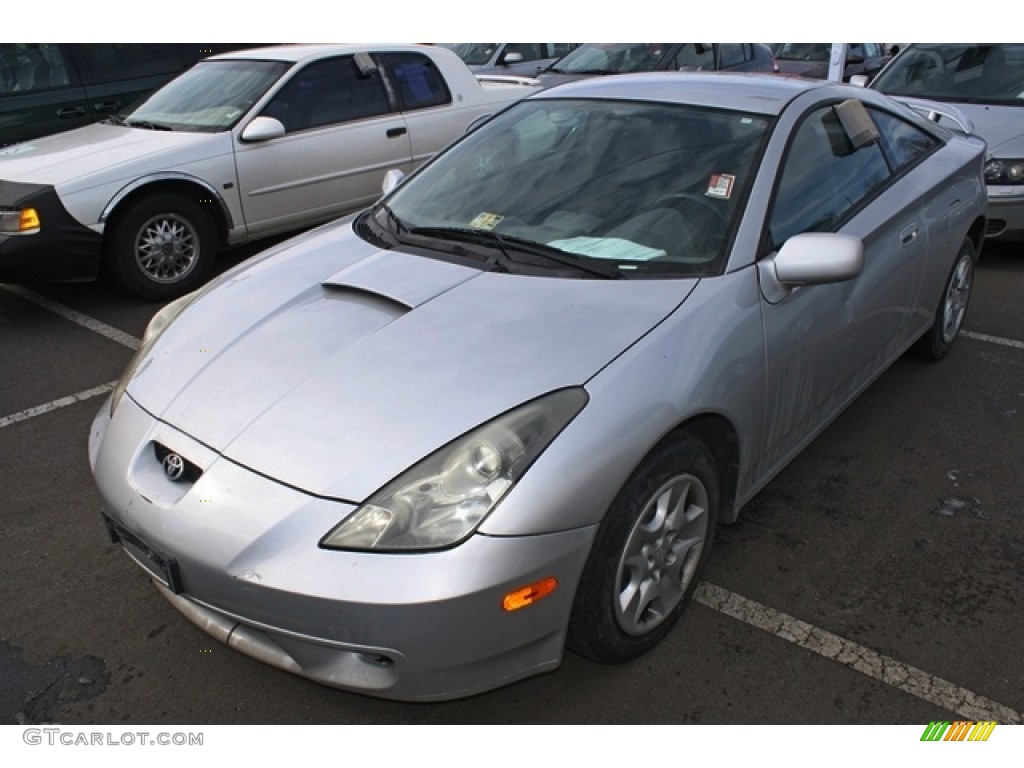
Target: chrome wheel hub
167 248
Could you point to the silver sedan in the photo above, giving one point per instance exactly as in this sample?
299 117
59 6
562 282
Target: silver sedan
418 452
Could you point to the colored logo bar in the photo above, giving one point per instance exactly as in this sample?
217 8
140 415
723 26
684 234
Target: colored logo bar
960 730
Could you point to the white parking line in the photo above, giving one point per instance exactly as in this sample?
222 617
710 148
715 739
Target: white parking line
906 678
53 405
74 316
993 339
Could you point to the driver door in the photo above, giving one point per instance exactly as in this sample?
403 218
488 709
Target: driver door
341 137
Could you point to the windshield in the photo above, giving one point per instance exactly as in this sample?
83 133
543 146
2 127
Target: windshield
804 51
475 53
643 188
613 58
210 97
957 73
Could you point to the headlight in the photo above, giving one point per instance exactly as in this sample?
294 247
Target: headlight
24 221
1004 171
441 500
161 320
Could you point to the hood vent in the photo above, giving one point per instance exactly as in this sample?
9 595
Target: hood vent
401 278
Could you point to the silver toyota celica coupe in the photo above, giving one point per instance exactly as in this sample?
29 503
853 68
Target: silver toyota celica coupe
419 451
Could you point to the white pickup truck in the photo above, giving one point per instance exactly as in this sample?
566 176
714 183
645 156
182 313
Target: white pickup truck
242 146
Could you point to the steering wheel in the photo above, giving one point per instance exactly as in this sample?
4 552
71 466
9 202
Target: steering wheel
708 223
681 201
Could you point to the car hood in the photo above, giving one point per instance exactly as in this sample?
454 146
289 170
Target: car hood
1002 127
332 366
78 157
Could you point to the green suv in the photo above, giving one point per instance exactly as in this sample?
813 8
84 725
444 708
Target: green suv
50 87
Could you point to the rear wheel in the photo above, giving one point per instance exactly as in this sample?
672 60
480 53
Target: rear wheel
949 316
648 554
161 247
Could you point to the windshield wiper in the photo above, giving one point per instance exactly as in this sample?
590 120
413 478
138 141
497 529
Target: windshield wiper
113 120
399 225
509 242
147 125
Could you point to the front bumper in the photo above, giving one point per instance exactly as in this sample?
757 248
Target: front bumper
1005 213
62 249
247 570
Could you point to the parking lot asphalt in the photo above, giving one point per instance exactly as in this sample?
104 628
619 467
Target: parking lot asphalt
877 580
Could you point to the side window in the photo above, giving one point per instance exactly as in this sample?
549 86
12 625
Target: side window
31 67
328 92
693 56
730 55
559 49
824 178
904 143
417 80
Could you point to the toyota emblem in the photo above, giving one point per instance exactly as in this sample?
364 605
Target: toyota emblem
174 466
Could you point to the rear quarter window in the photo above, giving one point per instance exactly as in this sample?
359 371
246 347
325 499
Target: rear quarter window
417 81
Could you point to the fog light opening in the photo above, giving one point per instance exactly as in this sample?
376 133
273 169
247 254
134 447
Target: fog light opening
528 595
376 660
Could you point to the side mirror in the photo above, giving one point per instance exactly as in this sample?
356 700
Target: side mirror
859 80
812 258
392 179
513 57
263 129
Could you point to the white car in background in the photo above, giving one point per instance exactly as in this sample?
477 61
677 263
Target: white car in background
242 146
522 59
984 83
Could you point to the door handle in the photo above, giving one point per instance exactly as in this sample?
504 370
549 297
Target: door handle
107 106
395 132
70 112
909 235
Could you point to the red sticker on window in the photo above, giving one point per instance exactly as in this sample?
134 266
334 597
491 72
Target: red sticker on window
721 185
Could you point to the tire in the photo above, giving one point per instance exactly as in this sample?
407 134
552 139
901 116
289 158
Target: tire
161 247
648 555
949 316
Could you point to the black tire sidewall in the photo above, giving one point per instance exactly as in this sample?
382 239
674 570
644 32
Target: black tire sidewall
593 630
932 346
119 256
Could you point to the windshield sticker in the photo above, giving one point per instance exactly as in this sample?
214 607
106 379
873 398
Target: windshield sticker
614 248
721 185
486 220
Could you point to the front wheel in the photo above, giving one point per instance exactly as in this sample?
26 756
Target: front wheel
949 316
648 554
161 247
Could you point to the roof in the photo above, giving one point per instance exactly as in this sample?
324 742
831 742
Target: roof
758 93
297 53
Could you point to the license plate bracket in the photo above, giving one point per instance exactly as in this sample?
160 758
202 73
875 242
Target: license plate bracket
161 567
